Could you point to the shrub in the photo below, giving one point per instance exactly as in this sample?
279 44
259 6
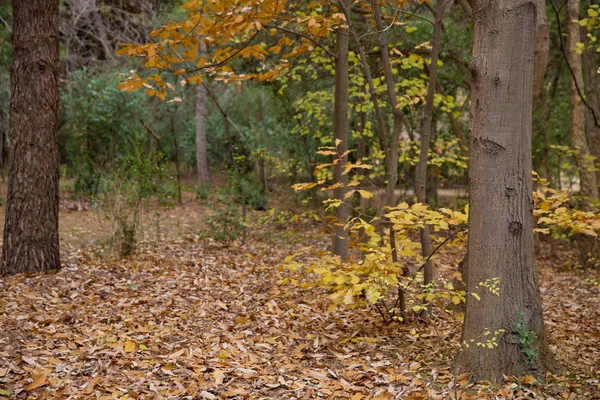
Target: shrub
137 179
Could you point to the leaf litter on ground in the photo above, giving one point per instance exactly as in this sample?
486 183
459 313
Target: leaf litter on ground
188 318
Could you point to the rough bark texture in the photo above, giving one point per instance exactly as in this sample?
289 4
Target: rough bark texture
500 191
587 178
201 161
340 131
31 241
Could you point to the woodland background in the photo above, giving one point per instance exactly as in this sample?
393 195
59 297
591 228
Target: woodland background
262 200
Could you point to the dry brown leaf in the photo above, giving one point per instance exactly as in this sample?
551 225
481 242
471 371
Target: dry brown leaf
39 380
90 386
218 376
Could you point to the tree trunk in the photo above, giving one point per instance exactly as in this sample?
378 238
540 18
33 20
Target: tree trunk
340 131
201 161
176 156
587 177
394 145
421 173
501 204
542 48
31 229
593 98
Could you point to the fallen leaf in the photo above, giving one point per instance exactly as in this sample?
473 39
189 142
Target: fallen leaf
129 346
90 386
39 380
218 376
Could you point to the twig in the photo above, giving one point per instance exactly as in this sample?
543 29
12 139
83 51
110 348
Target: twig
564 52
313 40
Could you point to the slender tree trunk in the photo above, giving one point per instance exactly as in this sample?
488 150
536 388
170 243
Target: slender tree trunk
394 145
455 124
340 131
381 129
396 111
587 178
501 204
176 153
201 160
31 241
593 98
542 48
3 132
421 173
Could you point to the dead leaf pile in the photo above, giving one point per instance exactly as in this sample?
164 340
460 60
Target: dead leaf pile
191 320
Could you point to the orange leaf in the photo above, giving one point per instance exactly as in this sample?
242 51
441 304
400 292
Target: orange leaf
38 381
90 387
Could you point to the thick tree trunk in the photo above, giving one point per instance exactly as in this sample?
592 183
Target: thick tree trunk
501 204
201 160
587 177
31 230
340 131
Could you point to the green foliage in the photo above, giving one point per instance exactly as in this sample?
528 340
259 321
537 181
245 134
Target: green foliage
138 178
526 339
202 192
224 225
101 125
249 191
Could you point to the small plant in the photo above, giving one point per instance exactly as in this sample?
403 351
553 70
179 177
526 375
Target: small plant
526 338
202 192
249 192
137 179
225 225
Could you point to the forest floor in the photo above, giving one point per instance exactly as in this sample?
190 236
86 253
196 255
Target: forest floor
190 318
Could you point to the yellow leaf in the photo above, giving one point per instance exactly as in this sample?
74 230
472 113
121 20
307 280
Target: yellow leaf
529 379
129 346
366 194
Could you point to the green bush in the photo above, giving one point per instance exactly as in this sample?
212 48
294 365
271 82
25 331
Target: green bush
137 179
225 225
100 126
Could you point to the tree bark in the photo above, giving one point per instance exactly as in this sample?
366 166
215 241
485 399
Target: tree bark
340 132
542 48
587 178
31 241
396 111
421 173
394 145
501 204
201 160
593 98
